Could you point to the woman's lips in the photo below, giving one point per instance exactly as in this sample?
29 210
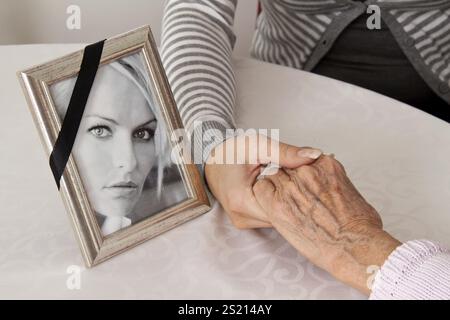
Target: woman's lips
122 189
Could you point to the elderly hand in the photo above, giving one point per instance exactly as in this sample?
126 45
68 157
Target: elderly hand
320 212
231 181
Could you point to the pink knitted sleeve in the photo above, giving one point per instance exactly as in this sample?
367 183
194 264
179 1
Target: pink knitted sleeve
418 269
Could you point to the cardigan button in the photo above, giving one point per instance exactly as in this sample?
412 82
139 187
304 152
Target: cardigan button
444 88
409 42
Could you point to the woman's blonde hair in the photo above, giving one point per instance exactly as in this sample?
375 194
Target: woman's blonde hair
132 67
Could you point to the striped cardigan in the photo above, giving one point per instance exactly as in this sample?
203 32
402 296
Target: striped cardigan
196 47
198 40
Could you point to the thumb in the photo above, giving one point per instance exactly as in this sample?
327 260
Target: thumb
293 157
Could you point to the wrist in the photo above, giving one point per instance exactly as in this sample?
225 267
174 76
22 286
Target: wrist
381 245
366 256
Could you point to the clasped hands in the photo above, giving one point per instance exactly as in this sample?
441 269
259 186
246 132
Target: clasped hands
310 201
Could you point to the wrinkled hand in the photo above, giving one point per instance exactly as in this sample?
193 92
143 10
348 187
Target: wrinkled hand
321 213
231 183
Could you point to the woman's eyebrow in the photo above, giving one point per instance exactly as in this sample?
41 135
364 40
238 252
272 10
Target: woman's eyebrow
104 118
116 123
146 123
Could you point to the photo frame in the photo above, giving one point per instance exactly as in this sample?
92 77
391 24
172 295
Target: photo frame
121 185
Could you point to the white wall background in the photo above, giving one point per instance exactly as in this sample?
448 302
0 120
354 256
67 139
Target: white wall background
44 21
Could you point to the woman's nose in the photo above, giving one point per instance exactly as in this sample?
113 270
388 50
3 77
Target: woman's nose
124 154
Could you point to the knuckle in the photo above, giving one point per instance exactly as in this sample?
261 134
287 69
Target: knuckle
327 162
330 165
307 171
334 164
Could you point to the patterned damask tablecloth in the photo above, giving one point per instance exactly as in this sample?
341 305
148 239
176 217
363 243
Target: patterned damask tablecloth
397 156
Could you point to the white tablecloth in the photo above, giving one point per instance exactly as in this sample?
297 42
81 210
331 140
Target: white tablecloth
397 156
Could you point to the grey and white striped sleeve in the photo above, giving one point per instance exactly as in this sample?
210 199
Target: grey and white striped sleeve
196 47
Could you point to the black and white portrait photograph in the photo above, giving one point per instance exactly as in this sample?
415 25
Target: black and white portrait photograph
121 149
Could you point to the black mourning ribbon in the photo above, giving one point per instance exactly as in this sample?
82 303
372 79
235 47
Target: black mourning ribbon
66 138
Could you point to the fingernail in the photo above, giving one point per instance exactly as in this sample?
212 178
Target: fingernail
270 169
309 153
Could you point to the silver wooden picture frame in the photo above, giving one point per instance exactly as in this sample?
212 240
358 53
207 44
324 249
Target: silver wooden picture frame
121 185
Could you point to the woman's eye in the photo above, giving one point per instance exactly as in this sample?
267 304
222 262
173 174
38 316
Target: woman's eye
100 131
143 134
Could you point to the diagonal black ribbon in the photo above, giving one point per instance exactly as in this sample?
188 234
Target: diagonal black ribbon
66 138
